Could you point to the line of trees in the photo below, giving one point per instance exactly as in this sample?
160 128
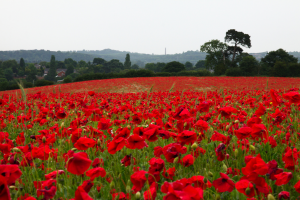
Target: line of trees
231 60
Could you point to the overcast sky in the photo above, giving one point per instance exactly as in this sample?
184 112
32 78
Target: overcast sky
146 26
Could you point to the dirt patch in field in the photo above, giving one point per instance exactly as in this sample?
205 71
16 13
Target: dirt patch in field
131 88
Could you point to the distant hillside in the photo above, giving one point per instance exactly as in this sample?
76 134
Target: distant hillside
108 54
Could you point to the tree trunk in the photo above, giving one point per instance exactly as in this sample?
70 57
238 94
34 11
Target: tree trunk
234 51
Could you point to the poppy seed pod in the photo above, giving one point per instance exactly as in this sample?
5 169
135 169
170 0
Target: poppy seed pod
175 160
224 167
252 147
248 191
236 152
44 139
271 197
112 185
210 174
195 146
128 189
218 197
137 195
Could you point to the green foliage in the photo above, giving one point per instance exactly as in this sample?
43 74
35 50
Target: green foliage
234 72
99 61
249 66
220 69
70 70
200 64
127 63
52 71
188 65
43 82
135 66
280 69
8 73
22 63
60 65
3 84
173 67
279 55
238 38
294 69
68 79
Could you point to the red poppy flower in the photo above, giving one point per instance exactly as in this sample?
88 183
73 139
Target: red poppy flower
171 151
220 137
187 137
53 174
158 151
170 173
284 195
290 158
256 165
157 163
150 194
4 191
48 193
293 97
81 194
61 114
220 152
116 145
11 173
223 184
138 180
198 181
126 161
78 163
227 111
201 125
104 124
283 178
136 142
244 185
243 132
96 172
91 93
260 111
84 143
187 160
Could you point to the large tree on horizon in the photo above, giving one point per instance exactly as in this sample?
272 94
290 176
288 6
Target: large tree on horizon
237 38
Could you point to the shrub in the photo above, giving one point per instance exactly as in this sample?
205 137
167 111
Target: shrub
43 82
234 72
3 84
68 79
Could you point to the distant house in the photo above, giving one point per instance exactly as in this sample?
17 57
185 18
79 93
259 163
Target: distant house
37 66
59 72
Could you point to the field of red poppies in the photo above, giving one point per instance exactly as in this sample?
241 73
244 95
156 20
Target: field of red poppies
173 138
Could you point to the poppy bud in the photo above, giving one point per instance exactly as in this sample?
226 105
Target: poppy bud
227 127
128 189
112 185
210 174
252 147
175 160
185 123
236 121
137 195
98 142
247 191
62 124
16 149
218 197
236 152
44 139
271 197
224 168
194 146
12 187
128 126
73 149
